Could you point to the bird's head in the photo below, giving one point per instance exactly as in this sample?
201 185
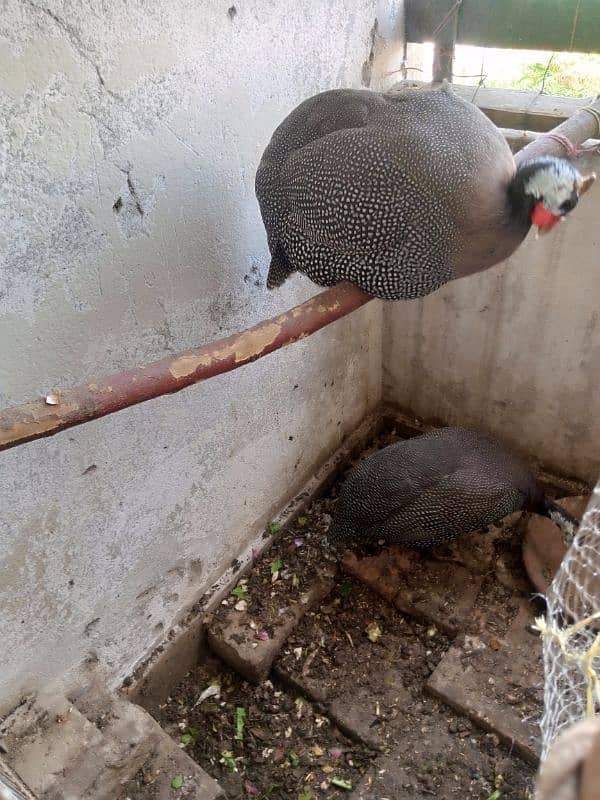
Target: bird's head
551 188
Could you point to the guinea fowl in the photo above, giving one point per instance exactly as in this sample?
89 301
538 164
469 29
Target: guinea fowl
422 491
401 192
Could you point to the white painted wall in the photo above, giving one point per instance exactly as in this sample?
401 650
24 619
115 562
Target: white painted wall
109 529
515 350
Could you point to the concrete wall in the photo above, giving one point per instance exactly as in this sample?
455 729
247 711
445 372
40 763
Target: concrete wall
515 350
129 138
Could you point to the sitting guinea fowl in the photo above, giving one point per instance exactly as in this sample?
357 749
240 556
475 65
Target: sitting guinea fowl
400 193
423 491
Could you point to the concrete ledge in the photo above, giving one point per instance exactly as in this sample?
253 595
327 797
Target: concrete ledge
93 750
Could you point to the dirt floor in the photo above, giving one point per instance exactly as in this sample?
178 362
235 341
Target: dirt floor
350 707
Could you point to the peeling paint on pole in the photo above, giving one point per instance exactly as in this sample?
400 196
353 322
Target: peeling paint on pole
116 392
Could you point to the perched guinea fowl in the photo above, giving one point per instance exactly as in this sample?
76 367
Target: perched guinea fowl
400 193
423 491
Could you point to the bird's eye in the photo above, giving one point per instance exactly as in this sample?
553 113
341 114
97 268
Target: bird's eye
569 204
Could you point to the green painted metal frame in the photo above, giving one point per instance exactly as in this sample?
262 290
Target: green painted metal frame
558 25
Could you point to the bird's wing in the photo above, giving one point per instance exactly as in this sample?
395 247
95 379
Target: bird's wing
320 115
353 191
392 478
375 490
312 120
458 503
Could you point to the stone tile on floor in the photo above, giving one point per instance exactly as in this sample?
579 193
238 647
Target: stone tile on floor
500 688
234 636
382 572
387 780
357 716
434 592
447 761
354 714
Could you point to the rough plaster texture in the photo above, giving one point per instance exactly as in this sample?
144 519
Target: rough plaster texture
515 350
129 138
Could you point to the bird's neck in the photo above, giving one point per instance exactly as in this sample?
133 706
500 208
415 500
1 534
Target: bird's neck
565 521
521 204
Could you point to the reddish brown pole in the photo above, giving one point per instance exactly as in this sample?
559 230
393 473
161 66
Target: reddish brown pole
107 395
64 409
583 125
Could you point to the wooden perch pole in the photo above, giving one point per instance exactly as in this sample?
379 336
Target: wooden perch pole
64 409
583 125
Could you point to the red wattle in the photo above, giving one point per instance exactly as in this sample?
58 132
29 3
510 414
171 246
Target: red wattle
543 218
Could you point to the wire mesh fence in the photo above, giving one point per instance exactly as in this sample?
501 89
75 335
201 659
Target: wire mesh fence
571 632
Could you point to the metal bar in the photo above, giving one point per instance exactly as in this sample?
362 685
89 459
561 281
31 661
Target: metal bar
64 409
443 59
444 43
559 25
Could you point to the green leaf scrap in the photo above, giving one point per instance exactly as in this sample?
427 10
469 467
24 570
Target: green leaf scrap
177 782
240 591
240 721
276 566
228 760
341 783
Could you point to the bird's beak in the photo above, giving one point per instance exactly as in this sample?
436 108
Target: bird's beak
583 184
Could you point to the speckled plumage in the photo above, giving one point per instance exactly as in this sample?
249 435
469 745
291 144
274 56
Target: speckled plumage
422 491
397 193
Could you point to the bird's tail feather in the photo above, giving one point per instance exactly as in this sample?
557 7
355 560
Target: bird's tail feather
280 268
334 534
